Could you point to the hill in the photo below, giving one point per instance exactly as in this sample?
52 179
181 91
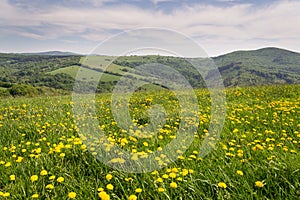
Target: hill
58 69
259 67
52 53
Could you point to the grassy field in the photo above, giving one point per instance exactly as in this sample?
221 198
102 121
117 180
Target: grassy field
88 74
42 155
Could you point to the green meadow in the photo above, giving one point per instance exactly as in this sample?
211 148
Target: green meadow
43 156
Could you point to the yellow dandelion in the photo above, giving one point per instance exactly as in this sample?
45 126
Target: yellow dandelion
222 185
259 184
165 176
72 195
6 194
49 186
138 190
109 186
172 175
35 196
103 196
160 189
132 197
173 185
43 173
34 178
108 177
8 164
12 177
60 179
160 180
239 172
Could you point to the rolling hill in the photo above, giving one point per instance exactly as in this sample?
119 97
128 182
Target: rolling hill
58 69
259 67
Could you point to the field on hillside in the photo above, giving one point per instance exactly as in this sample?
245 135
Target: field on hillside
42 156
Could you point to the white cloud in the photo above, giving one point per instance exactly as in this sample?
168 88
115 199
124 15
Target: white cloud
159 1
219 28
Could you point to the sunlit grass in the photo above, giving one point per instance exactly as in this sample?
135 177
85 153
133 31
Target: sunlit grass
257 156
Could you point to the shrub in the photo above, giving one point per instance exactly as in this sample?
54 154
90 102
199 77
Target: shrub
22 90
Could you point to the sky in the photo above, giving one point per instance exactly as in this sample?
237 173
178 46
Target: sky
218 26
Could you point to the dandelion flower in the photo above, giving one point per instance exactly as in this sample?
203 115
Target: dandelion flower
34 178
161 189
8 164
108 177
138 190
172 175
43 173
6 194
222 185
12 177
259 184
35 196
49 186
132 197
72 195
104 196
60 179
165 176
173 185
239 172
109 186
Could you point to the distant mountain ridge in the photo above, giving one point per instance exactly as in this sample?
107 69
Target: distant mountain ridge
52 53
259 67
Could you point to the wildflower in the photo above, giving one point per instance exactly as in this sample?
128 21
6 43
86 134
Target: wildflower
128 179
19 159
184 172
179 179
8 164
173 185
161 189
60 179
104 196
165 176
132 197
72 195
160 180
52 177
43 173
155 172
259 184
239 172
175 170
138 190
172 175
109 177
35 196
34 178
222 185
49 186
6 194
12 177
110 187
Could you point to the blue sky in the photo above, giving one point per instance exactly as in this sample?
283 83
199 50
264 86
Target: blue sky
218 26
